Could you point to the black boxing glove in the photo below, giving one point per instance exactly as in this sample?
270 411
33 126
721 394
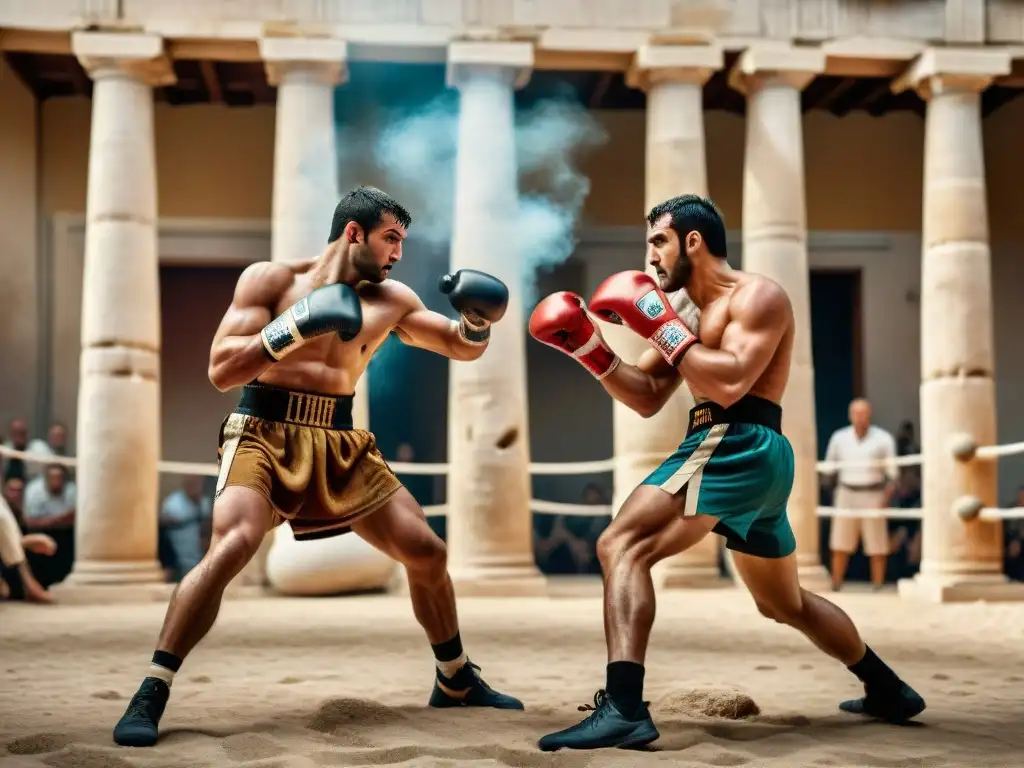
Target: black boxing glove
330 308
480 299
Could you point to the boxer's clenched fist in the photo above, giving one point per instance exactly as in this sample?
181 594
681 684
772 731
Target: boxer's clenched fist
331 308
632 298
480 299
561 321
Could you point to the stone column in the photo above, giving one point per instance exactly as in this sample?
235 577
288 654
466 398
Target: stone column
119 391
775 245
961 560
305 72
673 77
490 548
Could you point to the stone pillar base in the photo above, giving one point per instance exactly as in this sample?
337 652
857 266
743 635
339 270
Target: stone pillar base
70 592
112 593
814 577
500 581
115 573
961 589
526 586
693 577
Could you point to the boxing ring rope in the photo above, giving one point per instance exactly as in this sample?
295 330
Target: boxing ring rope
962 447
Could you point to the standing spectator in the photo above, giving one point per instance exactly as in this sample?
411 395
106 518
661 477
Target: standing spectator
1014 541
906 442
184 516
861 486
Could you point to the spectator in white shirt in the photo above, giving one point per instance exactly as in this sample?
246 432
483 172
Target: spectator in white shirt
184 517
19 441
50 501
861 486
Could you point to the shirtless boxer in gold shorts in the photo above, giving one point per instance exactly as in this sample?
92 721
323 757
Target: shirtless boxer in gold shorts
290 452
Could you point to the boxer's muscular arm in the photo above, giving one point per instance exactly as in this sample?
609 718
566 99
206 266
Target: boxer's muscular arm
237 355
426 329
644 387
759 318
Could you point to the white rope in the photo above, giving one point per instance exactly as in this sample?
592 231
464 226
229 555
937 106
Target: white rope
911 460
170 467
894 513
544 507
586 467
424 468
995 451
1001 513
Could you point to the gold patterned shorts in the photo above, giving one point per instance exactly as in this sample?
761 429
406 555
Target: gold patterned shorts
300 451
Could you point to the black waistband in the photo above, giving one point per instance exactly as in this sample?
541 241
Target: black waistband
749 409
307 409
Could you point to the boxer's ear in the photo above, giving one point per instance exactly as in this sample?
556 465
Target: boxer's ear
354 233
693 241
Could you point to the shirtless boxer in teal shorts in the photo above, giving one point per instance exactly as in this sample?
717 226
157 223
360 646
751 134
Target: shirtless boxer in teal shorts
732 474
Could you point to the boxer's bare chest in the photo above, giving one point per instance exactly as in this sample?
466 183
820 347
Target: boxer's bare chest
714 318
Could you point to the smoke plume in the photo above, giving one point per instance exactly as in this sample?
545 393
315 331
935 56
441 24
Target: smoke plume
415 155
410 152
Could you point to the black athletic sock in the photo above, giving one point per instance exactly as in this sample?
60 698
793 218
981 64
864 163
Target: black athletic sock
625 685
164 666
449 655
874 672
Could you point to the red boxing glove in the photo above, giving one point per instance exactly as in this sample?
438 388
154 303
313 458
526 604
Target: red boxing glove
561 321
633 298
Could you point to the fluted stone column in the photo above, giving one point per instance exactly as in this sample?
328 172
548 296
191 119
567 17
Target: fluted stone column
119 391
490 549
306 71
775 245
960 560
673 77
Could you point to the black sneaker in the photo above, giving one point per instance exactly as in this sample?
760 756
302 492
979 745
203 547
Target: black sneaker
893 706
138 725
605 727
477 692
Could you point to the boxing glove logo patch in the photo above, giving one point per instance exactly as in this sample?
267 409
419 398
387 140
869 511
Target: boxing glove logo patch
651 305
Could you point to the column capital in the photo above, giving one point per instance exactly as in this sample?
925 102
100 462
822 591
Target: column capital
140 56
654 64
966 69
468 55
763 63
324 59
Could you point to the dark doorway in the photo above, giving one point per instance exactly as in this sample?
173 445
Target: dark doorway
835 347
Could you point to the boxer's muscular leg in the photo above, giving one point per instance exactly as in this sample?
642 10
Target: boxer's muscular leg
400 530
776 589
649 528
241 518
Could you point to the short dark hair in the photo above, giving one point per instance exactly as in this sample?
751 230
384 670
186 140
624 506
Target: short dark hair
366 206
694 213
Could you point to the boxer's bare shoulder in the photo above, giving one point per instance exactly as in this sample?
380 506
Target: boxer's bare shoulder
758 326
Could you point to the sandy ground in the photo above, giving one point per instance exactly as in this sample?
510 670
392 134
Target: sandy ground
345 681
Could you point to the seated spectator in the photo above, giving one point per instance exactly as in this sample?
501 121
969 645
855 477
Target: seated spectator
16 570
49 508
50 501
19 441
